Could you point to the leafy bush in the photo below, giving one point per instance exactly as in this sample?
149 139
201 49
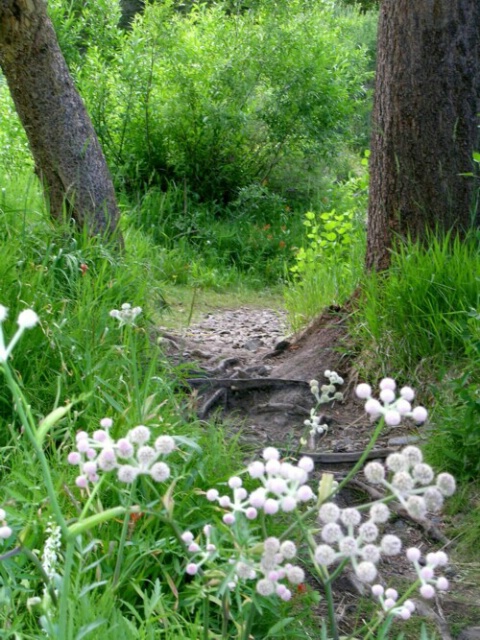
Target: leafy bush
219 100
330 264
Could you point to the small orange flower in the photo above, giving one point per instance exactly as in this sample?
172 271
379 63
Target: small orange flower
83 268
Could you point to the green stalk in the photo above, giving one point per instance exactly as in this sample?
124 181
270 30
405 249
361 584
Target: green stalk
26 418
206 617
362 459
123 538
38 566
63 610
332 619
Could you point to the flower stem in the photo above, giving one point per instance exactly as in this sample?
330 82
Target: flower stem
26 418
123 539
63 611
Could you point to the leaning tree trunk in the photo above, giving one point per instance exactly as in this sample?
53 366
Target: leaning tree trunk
425 121
67 154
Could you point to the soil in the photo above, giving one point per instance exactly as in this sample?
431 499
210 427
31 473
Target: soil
247 372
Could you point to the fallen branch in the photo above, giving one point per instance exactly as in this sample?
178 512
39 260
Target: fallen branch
243 384
429 528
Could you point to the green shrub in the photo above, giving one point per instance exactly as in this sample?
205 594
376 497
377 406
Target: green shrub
330 264
219 100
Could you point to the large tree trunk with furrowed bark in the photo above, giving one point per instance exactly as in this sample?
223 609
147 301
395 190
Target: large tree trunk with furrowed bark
67 154
425 122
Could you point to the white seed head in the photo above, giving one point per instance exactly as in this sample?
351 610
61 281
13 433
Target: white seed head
265 587
288 549
374 472
373 408
27 319
366 571
329 512
423 473
325 555
270 453
139 435
403 482
393 418
413 455
348 546
433 499
3 313
419 414
146 455
306 464
271 545
164 444
127 473
331 532
413 554
387 396
388 383
351 517
363 391
370 553
368 531
391 545
379 512
256 469
408 393
446 484
295 575
416 507
160 472
397 462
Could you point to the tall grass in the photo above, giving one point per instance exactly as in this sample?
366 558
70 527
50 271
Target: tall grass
419 309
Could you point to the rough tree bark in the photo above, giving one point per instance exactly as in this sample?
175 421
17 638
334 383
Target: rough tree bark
67 154
425 121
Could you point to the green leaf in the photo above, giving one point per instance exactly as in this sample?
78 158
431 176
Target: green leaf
272 633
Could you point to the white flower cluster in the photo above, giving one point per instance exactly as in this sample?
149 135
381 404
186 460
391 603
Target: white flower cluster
130 456
327 392
391 407
283 487
273 567
388 599
27 319
50 551
412 481
316 427
126 315
426 573
201 555
269 571
5 530
346 536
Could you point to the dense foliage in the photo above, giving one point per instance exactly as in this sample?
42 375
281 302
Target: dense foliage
216 100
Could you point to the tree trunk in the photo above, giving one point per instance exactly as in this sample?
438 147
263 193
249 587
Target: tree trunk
130 8
68 157
425 122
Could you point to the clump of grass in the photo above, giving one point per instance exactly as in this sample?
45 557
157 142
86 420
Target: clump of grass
419 309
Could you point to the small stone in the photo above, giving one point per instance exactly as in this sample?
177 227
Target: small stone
253 344
401 441
470 633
